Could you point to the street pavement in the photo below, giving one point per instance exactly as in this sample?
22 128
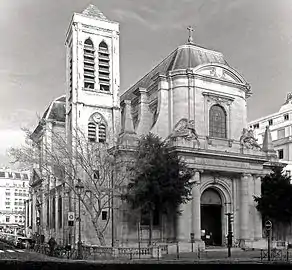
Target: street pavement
8 252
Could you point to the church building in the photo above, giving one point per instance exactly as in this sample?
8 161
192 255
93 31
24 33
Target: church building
194 99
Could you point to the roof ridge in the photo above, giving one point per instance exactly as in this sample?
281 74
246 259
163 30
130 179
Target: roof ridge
200 48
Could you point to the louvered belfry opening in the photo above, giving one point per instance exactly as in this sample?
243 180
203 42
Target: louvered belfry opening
103 67
101 133
89 64
91 132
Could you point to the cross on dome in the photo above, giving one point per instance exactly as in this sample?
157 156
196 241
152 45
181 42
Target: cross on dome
191 30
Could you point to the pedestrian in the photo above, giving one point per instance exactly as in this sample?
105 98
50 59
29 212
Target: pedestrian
52 244
29 232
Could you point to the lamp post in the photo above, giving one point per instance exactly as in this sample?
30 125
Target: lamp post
79 187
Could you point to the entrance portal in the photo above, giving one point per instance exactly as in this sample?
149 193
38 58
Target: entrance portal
211 217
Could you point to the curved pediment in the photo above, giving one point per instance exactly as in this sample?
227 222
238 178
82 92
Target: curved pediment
220 72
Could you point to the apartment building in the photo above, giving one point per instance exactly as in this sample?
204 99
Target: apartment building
280 125
14 191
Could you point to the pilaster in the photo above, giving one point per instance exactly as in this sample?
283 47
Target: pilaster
244 203
196 206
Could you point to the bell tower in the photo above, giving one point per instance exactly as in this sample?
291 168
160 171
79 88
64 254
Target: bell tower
93 76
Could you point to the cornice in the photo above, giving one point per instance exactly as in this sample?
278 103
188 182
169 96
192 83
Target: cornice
219 97
221 155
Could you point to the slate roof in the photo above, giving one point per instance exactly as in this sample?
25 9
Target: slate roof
57 110
185 56
93 11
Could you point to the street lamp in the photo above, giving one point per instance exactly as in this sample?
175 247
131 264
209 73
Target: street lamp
79 187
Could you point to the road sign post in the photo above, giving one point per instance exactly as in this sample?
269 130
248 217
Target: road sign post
192 240
268 226
230 233
71 218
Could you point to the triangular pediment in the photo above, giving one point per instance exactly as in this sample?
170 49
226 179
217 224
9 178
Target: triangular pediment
220 72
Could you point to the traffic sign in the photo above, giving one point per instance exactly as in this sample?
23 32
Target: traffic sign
71 216
268 225
192 237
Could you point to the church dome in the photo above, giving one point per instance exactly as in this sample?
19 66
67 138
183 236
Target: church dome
184 57
191 56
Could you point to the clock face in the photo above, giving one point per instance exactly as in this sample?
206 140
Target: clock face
96 118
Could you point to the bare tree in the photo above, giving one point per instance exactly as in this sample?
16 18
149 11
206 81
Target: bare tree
64 161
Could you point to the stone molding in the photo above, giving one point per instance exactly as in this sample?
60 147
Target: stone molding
217 98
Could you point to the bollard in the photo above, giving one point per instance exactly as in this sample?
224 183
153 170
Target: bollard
261 255
177 250
158 253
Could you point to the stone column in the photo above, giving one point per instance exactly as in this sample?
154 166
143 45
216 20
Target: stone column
244 202
196 206
257 216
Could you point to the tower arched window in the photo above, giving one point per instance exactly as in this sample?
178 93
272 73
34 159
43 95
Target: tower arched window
103 67
97 128
92 132
101 133
89 64
217 122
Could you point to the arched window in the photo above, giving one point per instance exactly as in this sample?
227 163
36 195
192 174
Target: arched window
60 211
53 213
101 133
97 128
91 132
103 67
217 122
89 64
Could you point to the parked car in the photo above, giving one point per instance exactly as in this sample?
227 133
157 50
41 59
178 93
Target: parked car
22 242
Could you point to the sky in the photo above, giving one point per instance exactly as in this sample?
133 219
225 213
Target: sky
254 35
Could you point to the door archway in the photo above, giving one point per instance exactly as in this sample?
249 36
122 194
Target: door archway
211 217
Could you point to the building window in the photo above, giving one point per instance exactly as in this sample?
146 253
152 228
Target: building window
17 176
48 212
256 126
60 212
217 122
286 117
27 214
89 64
7 219
281 133
101 133
270 122
281 154
96 124
96 175
104 215
103 67
2 174
53 212
91 132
